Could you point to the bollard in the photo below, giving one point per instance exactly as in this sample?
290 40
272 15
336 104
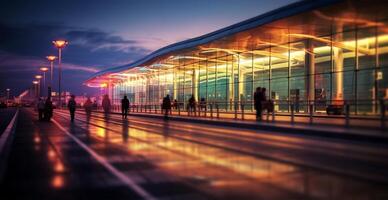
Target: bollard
242 111
141 108
211 110
218 111
179 110
311 112
205 113
382 114
292 113
137 108
347 114
273 115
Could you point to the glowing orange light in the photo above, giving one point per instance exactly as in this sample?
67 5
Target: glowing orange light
58 181
103 85
51 154
38 76
51 58
59 167
60 43
37 139
44 69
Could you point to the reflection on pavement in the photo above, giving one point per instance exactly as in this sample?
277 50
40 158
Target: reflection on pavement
202 157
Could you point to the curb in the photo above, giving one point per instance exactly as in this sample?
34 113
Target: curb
5 143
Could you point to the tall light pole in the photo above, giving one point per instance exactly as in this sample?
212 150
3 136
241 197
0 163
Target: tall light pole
44 70
51 59
8 93
35 87
60 44
38 77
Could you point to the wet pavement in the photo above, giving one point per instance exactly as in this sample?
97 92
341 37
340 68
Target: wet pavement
106 157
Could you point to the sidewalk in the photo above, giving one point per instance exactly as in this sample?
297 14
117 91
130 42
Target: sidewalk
359 130
45 164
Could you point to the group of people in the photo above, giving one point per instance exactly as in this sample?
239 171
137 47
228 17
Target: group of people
45 109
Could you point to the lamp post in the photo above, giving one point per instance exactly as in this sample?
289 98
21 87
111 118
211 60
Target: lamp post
51 59
60 44
38 77
8 93
44 70
35 87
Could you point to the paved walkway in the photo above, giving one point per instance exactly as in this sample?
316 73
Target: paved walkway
44 163
364 131
106 157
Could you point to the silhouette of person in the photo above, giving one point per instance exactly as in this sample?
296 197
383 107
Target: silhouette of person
40 107
124 107
106 105
71 106
258 98
48 109
191 105
88 105
202 104
166 106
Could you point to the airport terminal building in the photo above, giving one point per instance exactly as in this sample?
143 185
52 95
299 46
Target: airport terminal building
327 52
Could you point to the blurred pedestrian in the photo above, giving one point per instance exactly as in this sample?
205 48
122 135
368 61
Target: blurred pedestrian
192 104
258 97
124 107
106 105
71 105
202 104
88 105
48 109
40 108
175 104
166 106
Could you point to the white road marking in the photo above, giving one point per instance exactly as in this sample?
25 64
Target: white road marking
121 176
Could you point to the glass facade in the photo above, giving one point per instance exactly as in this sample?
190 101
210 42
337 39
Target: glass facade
328 56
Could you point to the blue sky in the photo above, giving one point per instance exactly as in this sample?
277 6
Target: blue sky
104 33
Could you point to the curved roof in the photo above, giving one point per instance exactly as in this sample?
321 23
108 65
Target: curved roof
280 13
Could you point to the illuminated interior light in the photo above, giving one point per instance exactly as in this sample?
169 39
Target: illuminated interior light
342 45
348 20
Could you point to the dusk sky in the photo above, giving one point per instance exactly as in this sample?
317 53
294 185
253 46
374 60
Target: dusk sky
103 34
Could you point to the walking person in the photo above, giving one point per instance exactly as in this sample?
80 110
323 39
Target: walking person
124 107
166 106
48 109
202 104
71 106
88 105
40 107
106 105
258 97
192 105
175 104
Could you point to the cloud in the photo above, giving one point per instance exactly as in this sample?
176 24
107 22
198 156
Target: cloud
16 63
23 48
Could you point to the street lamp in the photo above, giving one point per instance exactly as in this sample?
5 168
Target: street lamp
44 70
51 59
35 87
38 77
8 93
60 44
